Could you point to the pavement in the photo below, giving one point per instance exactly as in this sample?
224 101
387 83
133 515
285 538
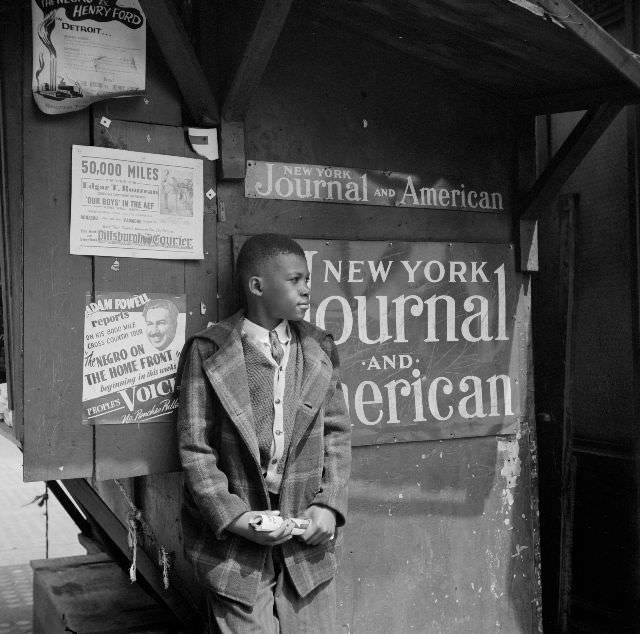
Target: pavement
28 530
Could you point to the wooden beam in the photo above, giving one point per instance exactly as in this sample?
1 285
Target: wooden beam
93 505
181 59
583 137
255 58
595 37
579 99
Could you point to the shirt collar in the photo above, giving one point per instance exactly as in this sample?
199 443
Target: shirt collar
258 333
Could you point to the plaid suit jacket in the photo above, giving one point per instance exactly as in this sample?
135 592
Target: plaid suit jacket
220 457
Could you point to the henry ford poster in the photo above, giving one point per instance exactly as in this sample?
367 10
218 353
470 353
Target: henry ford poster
86 50
427 335
134 204
132 343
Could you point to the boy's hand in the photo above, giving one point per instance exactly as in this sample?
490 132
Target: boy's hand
322 527
240 526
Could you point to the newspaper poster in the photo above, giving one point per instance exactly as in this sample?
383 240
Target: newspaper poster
134 204
132 343
85 51
429 336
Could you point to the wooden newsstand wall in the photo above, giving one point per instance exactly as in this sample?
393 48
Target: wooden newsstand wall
47 333
442 534
432 544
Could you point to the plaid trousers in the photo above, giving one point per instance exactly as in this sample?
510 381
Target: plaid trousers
278 608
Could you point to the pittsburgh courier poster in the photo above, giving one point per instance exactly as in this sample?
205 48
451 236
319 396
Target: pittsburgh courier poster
134 204
132 343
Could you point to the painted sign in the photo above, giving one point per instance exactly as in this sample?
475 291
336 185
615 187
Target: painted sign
427 335
134 204
348 185
132 343
85 51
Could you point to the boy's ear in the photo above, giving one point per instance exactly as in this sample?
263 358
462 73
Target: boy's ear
255 285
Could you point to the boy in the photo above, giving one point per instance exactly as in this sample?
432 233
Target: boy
263 428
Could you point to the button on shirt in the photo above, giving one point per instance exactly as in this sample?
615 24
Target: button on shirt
259 337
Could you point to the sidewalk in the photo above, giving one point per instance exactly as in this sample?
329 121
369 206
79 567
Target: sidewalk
23 536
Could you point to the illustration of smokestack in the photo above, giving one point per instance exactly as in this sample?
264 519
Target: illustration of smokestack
44 33
40 68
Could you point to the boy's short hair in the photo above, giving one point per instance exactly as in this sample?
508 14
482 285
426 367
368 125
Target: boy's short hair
259 248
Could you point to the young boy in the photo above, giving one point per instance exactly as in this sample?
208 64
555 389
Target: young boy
263 428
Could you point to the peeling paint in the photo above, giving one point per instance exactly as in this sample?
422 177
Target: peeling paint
509 451
519 549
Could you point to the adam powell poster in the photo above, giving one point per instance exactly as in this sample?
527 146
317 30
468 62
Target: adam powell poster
132 343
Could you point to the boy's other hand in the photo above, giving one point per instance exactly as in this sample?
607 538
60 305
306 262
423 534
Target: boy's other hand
240 526
322 527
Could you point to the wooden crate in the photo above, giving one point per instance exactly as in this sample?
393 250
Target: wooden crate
90 594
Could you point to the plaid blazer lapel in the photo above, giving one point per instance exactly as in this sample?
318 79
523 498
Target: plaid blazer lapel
227 373
316 378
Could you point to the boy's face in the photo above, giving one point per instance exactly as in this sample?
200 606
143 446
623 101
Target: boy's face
285 287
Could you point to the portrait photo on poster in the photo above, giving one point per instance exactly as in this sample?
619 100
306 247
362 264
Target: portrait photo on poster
132 344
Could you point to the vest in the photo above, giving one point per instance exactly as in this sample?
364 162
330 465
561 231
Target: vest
260 376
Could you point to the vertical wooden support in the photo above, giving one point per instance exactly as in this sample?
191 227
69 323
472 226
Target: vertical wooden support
11 95
529 252
232 155
569 206
632 37
526 229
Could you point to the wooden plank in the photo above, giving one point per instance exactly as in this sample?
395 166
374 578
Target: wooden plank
160 497
571 101
334 221
173 599
181 59
255 59
595 37
13 89
228 301
91 593
134 450
583 137
56 444
478 42
162 101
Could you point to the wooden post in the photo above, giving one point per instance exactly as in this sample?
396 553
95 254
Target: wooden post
632 37
569 206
